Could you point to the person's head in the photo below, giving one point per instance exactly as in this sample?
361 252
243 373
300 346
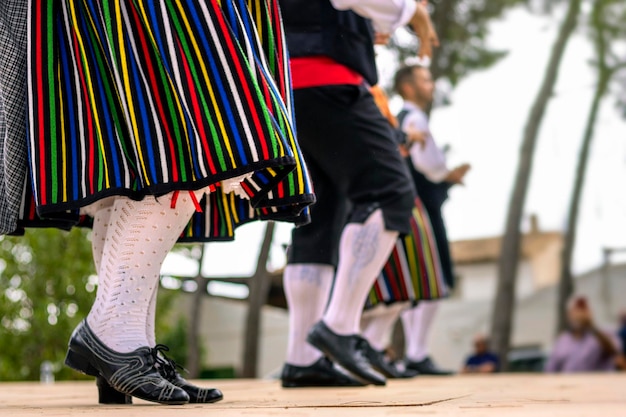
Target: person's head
481 344
415 83
578 313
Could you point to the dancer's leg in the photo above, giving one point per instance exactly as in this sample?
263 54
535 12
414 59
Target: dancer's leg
377 324
101 213
417 323
140 234
307 288
363 251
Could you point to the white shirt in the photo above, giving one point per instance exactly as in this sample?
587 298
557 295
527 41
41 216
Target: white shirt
386 15
428 159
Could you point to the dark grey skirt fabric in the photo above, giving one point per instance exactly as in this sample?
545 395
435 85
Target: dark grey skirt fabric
13 153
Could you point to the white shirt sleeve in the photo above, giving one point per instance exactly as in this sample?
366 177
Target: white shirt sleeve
428 159
386 15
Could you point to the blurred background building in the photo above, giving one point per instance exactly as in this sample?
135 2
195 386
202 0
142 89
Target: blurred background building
461 317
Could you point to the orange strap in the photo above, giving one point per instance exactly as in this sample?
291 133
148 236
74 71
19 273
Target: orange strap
383 104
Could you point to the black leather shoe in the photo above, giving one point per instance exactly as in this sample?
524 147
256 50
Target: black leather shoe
132 373
426 367
378 361
321 374
408 373
167 369
109 395
344 351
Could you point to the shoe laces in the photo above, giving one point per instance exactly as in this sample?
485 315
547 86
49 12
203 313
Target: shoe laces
167 367
364 346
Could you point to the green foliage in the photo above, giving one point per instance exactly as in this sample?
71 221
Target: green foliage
173 331
47 286
175 337
607 26
173 325
462 26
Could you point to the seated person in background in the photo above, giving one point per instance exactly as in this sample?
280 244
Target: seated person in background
483 361
583 347
622 331
621 334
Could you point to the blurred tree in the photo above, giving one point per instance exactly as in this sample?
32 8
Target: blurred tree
47 286
194 345
504 306
259 290
176 337
607 26
462 26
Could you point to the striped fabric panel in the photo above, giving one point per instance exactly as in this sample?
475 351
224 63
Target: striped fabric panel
413 271
223 213
267 18
283 205
137 97
288 199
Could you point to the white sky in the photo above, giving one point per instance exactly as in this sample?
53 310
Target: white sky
484 127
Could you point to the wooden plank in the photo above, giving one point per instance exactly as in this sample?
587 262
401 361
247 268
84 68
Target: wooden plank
498 395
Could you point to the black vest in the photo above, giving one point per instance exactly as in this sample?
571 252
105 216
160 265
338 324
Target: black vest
315 27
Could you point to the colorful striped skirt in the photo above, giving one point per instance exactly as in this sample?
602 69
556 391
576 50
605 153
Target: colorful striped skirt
137 97
413 271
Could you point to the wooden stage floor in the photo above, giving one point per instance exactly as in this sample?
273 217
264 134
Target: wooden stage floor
498 395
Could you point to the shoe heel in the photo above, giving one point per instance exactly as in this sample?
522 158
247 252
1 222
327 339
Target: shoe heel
312 339
78 362
109 395
288 384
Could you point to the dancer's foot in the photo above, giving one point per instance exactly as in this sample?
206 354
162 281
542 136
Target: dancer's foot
344 350
167 369
426 367
378 361
407 373
132 373
109 395
321 374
